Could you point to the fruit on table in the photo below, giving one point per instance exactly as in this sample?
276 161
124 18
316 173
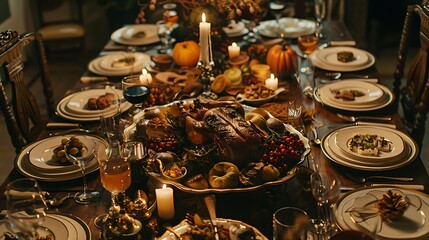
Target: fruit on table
234 74
269 173
186 53
220 83
282 60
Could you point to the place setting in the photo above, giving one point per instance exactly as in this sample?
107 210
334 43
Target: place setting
235 29
341 58
119 63
369 148
292 27
136 34
359 95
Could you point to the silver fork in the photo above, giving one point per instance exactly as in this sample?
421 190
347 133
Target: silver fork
76 130
365 179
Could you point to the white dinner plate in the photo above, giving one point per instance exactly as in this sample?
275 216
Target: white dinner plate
382 102
372 92
108 61
77 228
292 27
334 153
414 225
346 68
344 136
235 29
184 226
329 56
103 65
65 113
57 227
124 35
23 164
78 102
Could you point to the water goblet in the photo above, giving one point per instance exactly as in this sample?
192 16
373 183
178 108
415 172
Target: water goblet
81 150
26 209
307 44
277 7
290 223
136 89
325 189
320 13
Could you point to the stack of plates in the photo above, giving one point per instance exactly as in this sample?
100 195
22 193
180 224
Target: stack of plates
376 96
119 63
327 59
35 160
413 224
138 34
235 29
335 147
292 27
62 226
73 107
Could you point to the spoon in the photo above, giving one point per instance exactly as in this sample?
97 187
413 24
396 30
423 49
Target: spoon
354 119
58 200
315 141
210 201
365 179
337 75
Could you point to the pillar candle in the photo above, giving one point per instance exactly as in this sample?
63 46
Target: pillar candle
165 202
272 82
146 77
205 46
233 50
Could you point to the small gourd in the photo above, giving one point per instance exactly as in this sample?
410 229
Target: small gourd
186 53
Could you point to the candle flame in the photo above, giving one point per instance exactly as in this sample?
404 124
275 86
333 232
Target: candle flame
164 186
203 17
234 44
272 76
144 71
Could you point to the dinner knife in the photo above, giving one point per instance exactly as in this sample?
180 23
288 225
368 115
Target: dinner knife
417 187
56 125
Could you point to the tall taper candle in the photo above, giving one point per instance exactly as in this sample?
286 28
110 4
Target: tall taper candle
204 40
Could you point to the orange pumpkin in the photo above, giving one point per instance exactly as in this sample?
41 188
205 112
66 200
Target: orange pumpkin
282 60
186 54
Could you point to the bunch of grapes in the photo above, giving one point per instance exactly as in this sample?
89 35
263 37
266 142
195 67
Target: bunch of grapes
159 96
283 152
164 144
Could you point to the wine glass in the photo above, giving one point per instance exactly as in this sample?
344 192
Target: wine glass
136 89
26 209
167 25
115 174
251 21
320 13
80 150
277 7
307 44
326 190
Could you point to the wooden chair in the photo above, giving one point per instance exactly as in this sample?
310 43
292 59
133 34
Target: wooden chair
414 96
66 31
22 113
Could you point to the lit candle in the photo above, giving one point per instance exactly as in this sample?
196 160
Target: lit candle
145 77
165 202
233 50
205 43
272 82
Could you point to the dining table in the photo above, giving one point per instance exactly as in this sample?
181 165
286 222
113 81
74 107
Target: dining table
254 207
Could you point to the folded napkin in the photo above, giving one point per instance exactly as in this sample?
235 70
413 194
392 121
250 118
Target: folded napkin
342 43
18 194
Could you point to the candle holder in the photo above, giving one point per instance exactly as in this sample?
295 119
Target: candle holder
207 75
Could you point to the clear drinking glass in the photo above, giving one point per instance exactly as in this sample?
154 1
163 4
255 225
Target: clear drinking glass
81 150
320 14
26 209
290 223
277 7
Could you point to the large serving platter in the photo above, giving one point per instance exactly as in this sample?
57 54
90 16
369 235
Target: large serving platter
128 134
33 160
125 34
413 225
73 106
183 227
291 27
331 149
324 59
323 94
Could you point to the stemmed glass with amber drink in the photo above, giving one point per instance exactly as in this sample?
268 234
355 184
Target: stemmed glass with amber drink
307 44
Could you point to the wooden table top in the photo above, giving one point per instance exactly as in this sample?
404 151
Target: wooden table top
255 208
